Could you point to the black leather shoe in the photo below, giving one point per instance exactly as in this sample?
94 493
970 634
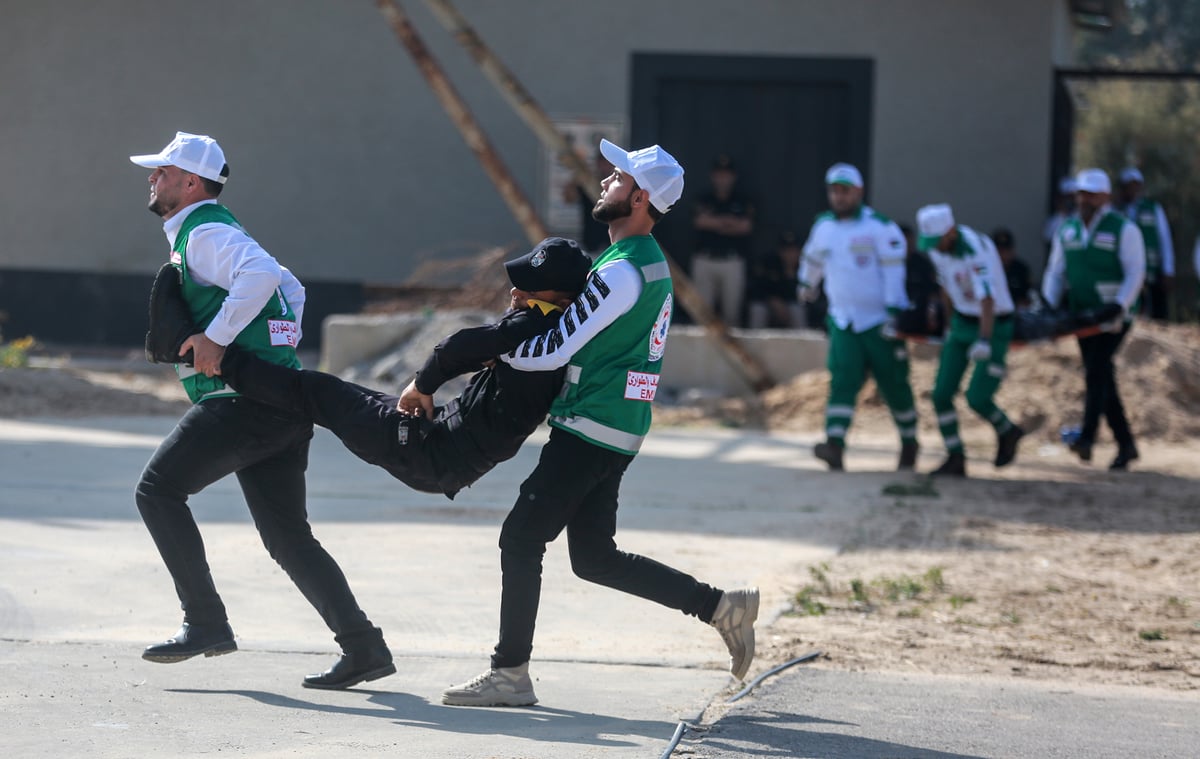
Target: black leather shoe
908 456
1125 454
353 668
1006 445
831 454
955 465
1082 449
193 640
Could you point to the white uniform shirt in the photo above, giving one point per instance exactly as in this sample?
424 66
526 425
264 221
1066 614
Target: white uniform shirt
1131 250
861 260
225 256
971 277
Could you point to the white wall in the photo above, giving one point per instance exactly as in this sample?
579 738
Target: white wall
345 166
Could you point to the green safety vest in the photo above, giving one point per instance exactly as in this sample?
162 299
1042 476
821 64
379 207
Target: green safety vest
611 380
1145 214
1093 266
271 335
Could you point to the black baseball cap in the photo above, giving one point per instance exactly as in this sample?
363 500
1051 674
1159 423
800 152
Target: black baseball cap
555 263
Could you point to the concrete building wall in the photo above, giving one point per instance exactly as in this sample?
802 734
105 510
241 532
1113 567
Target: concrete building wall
345 166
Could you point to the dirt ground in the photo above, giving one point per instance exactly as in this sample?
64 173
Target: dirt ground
1050 569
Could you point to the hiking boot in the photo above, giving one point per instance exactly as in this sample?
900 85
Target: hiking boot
1082 449
908 456
734 619
831 454
1006 445
509 686
955 465
1125 454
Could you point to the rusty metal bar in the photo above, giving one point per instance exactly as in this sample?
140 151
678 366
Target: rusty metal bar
460 114
532 114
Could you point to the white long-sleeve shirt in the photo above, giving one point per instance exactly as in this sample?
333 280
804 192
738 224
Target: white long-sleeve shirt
1131 250
971 277
591 312
227 257
861 260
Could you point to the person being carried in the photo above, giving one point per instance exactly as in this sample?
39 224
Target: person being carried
981 326
447 448
611 341
859 254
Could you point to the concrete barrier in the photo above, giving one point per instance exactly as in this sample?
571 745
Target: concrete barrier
692 360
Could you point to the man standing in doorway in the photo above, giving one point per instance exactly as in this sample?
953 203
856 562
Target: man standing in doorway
611 342
1151 220
724 225
238 295
981 326
859 254
1099 259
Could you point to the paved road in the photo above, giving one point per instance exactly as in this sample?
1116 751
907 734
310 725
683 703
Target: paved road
82 590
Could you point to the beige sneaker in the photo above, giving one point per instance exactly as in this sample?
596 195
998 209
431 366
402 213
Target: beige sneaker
509 686
734 619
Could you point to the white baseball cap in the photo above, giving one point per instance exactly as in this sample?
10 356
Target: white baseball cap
1132 174
1066 186
933 222
844 173
1093 180
197 153
655 170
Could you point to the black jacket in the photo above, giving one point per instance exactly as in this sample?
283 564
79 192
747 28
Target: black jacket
500 407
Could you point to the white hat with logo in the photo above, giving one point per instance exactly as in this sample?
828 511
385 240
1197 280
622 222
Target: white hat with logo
197 153
655 170
1094 181
844 173
933 222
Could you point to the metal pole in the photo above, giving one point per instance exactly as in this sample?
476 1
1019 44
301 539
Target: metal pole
460 114
532 114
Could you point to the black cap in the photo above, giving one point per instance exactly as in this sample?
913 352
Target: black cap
723 163
1002 237
555 263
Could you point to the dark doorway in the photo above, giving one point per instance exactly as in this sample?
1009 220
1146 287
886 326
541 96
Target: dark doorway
783 122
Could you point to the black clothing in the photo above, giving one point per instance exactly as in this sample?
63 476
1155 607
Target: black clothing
1020 281
1156 300
1101 395
268 450
769 278
715 245
466 438
584 501
920 280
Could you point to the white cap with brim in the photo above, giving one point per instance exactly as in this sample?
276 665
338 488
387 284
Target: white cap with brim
1132 174
933 222
197 153
844 173
655 170
1094 181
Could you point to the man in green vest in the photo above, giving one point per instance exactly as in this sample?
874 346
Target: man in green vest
1156 234
238 295
611 341
1097 258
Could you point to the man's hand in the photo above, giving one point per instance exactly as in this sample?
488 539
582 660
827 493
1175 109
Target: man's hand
980 351
207 354
415 403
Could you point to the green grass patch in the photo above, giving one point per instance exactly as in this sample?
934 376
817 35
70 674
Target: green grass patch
805 604
919 489
957 602
1152 635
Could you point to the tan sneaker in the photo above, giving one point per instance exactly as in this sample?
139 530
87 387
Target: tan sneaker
734 619
509 686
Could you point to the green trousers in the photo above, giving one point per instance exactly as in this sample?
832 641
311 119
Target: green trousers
851 356
985 380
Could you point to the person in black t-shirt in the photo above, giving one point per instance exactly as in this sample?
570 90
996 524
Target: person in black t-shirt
724 223
1016 271
773 297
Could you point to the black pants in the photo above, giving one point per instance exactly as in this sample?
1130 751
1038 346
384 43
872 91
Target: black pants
1102 396
268 450
366 421
1156 300
575 486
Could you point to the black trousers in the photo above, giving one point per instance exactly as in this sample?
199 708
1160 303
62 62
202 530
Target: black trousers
574 486
1156 300
1102 396
366 421
268 450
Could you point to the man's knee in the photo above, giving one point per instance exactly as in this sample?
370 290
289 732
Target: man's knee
592 560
